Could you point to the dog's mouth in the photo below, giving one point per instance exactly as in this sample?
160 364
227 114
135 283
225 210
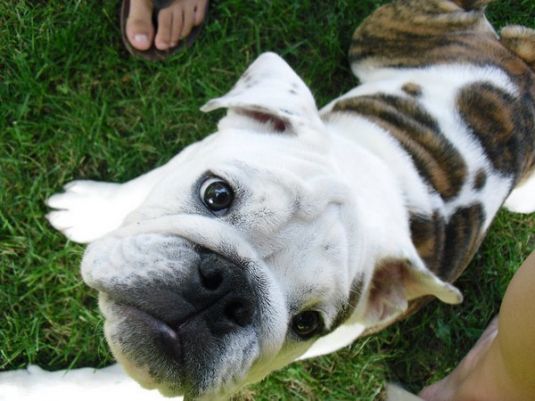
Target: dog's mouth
166 337
185 320
180 358
167 334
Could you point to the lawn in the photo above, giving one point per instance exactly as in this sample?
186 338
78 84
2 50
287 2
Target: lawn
74 104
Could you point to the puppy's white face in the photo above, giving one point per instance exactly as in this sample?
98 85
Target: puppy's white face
244 256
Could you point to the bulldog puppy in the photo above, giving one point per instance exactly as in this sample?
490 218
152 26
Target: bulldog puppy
290 231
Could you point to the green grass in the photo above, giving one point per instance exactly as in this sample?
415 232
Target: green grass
73 104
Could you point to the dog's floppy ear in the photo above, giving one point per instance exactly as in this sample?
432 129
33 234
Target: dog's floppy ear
269 93
397 281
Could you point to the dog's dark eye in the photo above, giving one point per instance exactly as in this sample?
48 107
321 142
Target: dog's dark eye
216 194
307 324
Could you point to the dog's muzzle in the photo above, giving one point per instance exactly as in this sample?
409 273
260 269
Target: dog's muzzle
176 310
215 299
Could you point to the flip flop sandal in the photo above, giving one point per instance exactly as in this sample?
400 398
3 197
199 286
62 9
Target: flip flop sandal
153 53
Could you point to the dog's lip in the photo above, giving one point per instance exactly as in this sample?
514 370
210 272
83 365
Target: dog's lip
167 338
167 333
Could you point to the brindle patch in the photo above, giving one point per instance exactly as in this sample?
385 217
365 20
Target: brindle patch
418 133
417 33
428 236
456 242
463 235
420 33
472 4
521 41
412 89
480 180
503 124
446 248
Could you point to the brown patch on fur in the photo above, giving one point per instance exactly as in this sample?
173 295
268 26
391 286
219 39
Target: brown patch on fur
521 41
420 32
472 4
447 247
418 133
456 244
416 33
503 124
463 236
412 89
480 180
428 236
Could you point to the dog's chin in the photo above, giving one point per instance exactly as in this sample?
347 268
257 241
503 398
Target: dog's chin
158 358
137 341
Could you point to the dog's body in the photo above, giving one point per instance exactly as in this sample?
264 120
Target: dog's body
341 220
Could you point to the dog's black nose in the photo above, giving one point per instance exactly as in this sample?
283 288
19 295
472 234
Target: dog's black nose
221 294
192 306
236 304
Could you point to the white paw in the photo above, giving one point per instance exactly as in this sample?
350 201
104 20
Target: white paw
87 210
522 199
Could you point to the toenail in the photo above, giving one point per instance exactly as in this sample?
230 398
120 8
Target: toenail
141 38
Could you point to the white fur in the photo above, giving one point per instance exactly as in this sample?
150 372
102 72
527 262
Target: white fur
324 201
522 199
440 86
86 384
396 393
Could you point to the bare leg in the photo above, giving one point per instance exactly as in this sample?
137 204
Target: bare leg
445 389
502 364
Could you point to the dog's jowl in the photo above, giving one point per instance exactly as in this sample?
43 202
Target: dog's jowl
291 231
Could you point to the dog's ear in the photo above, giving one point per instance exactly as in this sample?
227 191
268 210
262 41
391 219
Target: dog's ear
396 282
269 93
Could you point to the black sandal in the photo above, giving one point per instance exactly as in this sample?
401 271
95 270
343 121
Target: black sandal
154 53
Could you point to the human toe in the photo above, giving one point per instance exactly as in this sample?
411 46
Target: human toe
163 38
139 29
199 12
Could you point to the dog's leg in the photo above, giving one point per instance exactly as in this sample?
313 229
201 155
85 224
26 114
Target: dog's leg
87 210
522 199
36 384
416 33
521 41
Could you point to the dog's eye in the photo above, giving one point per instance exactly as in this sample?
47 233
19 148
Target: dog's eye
216 194
307 324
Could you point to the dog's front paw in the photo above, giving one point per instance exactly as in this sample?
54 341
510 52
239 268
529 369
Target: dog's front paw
87 210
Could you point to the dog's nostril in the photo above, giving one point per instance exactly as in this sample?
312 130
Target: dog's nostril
211 278
239 312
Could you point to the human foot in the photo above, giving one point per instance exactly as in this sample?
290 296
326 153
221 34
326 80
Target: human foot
175 21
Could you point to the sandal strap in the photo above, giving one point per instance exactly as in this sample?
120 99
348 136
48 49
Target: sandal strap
160 4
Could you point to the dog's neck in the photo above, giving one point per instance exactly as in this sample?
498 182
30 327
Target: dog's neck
372 167
359 145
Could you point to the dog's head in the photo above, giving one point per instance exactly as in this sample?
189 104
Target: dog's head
255 250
